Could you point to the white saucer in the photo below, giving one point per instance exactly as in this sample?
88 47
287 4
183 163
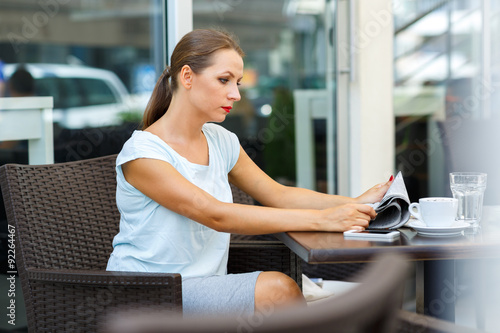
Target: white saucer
423 230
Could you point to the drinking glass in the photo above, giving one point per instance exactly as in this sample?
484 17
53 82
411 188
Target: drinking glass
468 188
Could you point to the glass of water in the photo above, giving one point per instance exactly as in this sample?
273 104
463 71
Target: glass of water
468 188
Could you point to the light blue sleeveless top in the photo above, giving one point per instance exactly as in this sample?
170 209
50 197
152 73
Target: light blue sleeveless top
155 239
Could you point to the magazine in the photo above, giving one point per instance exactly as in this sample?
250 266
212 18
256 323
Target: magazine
392 210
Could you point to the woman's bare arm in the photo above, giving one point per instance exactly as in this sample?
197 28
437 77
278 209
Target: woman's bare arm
250 178
162 183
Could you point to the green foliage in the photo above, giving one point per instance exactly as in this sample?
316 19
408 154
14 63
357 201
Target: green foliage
279 148
131 117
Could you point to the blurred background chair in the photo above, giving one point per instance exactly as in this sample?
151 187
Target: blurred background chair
371 307
65 218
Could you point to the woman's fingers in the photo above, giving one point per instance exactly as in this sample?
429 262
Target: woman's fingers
349 217
366 210
376 193
356 227
363 215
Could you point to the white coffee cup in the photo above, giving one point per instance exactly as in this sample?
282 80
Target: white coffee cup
435 212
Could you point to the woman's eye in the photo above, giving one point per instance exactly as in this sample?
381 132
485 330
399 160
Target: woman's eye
224 80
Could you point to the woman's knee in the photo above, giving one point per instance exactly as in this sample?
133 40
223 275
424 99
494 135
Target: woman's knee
278 289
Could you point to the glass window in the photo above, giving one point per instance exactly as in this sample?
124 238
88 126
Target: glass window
284 45
50 87
86 53
104 55
446 74
72 95
96 92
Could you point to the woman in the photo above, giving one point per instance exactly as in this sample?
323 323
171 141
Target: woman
175 200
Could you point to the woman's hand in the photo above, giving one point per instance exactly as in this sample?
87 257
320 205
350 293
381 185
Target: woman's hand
376 193
347 217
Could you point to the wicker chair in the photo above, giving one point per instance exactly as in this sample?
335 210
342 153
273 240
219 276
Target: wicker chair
65 217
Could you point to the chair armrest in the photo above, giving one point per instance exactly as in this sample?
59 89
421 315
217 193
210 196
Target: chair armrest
99 277
80 300
409 322
166 288
257 255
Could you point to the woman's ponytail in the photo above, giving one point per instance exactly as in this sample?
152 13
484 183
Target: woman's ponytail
159 101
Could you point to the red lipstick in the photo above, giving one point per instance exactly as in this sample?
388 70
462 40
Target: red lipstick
227 108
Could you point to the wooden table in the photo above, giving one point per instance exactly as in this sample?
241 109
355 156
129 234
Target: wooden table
436 293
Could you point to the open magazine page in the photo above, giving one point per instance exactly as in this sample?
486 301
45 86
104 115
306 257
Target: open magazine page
392 210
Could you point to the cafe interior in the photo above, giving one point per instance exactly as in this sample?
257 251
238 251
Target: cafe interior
336 96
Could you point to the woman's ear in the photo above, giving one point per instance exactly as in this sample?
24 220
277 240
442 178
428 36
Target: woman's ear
186 76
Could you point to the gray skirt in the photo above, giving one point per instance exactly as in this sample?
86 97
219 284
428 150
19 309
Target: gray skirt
232 294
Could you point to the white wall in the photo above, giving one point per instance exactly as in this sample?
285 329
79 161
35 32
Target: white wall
371 111
179 22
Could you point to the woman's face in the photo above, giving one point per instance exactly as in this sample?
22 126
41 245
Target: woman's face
215 89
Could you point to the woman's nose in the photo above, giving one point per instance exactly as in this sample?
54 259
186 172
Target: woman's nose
234 93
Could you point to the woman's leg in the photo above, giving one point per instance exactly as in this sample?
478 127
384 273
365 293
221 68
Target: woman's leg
231 294
276 290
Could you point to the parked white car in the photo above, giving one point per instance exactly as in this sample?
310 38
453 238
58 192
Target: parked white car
83 96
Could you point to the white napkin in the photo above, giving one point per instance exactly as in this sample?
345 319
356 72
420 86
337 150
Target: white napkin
313 292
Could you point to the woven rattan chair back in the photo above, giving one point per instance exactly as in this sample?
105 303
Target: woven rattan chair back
65 218
66 213
241 197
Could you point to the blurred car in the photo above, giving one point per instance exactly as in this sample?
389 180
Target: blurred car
83 96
